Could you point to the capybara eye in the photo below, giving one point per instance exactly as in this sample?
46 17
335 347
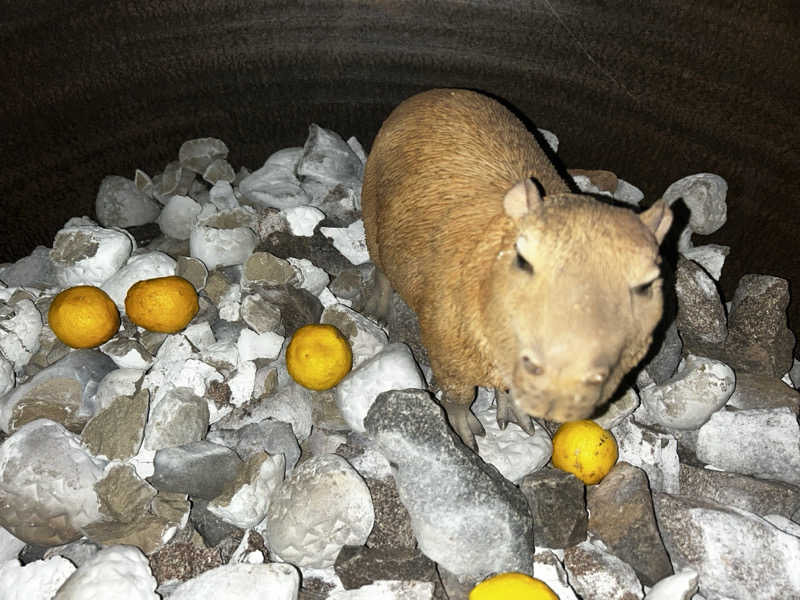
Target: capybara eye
644 290
523 264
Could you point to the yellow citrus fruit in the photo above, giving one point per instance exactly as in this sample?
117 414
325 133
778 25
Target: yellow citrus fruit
512 586
163 304
318 356
83 316
584 449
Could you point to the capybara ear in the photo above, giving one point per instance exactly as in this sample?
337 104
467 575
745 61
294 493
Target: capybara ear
658 218
522 198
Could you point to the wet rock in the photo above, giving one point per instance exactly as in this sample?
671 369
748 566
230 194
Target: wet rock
223 239
759 496
179 418
269 270
85 254
349 241
512 451
393 368
686 401
759 339
556 501
322 507
596 574
199 469
681 586
33 271
736 554
275 184
441 482
116 432
115 572
63 392
357 566
244 501
37 579
272 437
656 453
46 484
20 326
664 364
767 443
701 316
622 517
120 203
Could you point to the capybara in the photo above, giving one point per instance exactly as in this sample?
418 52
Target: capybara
518 283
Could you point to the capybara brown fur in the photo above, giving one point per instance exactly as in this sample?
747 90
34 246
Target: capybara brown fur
518 283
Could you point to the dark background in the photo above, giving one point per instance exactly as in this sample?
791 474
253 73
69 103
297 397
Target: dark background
653 91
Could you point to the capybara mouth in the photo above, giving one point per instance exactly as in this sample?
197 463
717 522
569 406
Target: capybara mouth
553 406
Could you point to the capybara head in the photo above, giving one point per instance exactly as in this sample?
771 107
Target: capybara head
575 295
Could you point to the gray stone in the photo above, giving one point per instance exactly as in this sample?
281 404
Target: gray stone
736 553
767 443
701 316
596 574
759 339
687 400
622 517
178 418
365 336
63 392
123 496
260 315
269 270
220 170
549 569
275 184
119 203
298 307
759 496
465 515
681 586
327 162
754 390
199 469
358 565
47 482
663 365
197 154
710 256
212 529
392 527
33 271
273 437
653 451
116 431
556 501
192 270
316 248
618 409
704 194
127 353
85 254
355 284
322 507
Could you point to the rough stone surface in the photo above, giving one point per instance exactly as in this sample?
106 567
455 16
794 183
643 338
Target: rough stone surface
199 469
704 194
622 517
116 432
365 336
759 496
85 254
260 315
681 586
34 580
596 574
556 501
664 363
115 572
618 409
322 507
701 316
656 453
736 554
46 484
272 437
549 569
123 496
465 515
267 269
358 565
180 417
754 390
392 528
759 339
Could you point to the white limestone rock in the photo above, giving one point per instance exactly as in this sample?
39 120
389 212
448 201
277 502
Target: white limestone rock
223 239
85 254
618 410
176 367
223 355
120 203
547 567
322 507
246 503
252 345
680 586
303 220
784 524
393 368
736 553
197 154
200 335
178 217
47 482
275 581
365 336
114 572
512 451
119 382
387 590
327 162
767 443
350 241
276 184
242 382
711 257
222 195
312 278
10 546
655 453
597 574
20 326
37 580
140 266
686 401
127 353
7 376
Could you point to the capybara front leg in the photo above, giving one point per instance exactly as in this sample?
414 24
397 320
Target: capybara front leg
509 412
465 424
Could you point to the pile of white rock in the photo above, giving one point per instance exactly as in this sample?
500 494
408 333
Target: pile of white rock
191 465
